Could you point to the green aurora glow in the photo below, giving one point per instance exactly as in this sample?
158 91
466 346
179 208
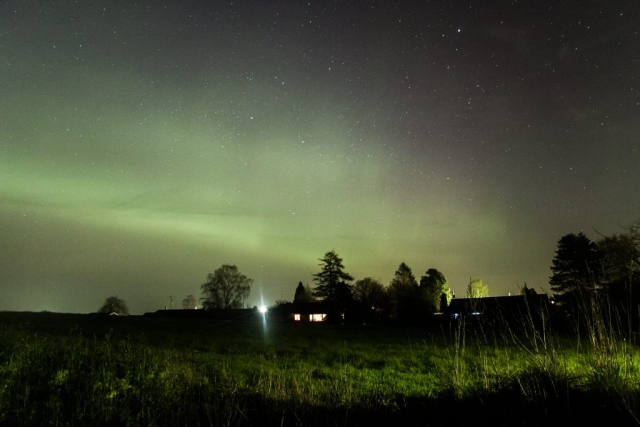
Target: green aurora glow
141 147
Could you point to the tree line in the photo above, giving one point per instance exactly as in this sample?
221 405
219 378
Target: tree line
403 299
584 272
600 274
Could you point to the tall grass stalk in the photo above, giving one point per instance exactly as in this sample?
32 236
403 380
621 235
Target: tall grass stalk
320 375
456 352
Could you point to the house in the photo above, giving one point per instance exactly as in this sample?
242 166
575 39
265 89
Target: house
302 311
218 314
511 310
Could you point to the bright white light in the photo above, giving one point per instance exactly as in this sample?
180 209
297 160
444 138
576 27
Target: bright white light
263 309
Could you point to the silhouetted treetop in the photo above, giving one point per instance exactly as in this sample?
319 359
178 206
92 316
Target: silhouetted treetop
226 288
114 304
331 280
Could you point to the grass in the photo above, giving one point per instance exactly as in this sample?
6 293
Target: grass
60 369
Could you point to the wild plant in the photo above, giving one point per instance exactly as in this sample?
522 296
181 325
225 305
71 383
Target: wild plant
456 352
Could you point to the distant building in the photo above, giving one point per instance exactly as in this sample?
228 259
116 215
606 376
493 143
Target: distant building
302 312
219 314
505 309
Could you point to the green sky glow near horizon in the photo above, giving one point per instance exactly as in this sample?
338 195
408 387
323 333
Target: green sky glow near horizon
143 146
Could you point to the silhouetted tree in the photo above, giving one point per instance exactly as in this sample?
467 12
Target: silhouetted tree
403 277
371 300
331 280
226 288
576 268
619 256
527 291
445 300
299 295
114 304
634 233
303 294
369 292
189 302
434 287
405 295
620 277
477 289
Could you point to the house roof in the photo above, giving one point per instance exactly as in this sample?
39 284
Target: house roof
319 307
515 303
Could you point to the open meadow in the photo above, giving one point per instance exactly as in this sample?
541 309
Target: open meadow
66 369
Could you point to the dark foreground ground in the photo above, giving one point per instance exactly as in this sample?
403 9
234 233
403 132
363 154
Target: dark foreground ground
71 369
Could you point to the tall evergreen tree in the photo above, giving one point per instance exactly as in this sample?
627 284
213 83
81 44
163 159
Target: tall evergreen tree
407 299
299 296
331 281
576 268
403 276
303 294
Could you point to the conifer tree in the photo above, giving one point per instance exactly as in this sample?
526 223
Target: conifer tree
331 281
576 268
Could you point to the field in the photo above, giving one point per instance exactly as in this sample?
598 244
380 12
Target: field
64 369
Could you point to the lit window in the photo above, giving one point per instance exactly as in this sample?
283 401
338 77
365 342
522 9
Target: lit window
296 317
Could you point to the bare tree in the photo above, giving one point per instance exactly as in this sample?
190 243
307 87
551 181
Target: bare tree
189 303
114 304
370 292
226 288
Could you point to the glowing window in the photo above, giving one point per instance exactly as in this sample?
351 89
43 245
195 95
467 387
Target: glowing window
296 317
316 317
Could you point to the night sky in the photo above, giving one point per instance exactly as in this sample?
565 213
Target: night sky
143 145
